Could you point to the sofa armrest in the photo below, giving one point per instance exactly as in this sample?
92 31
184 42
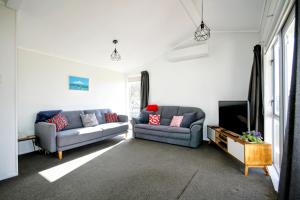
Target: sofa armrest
196 133
135 120
123 118
198 122
46 133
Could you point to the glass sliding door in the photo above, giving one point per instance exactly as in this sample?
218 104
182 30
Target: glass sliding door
277 132
281 63
134 96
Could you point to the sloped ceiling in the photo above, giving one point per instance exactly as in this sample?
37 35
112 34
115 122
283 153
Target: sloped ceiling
83 30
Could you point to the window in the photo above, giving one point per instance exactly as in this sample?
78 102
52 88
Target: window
288 49
276 117
280 57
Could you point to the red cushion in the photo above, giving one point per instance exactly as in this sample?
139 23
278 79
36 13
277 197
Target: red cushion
59 120
152 107
111 117
154 119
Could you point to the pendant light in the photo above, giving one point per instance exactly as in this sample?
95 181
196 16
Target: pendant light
202 32
115 56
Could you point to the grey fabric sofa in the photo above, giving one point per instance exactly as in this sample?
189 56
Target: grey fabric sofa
75 134
191 137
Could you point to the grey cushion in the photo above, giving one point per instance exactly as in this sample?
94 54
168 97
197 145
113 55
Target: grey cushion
99 115
89 120
162 128
113 128
199 113
144 116
73 136
74 119
188 119
167 113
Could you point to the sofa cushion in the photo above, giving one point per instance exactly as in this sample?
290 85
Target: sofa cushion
188 118
144 116
99 115
152 107
163 131
154 119
176 121
42 116
111 117
73 118
199 113
59 120
89 120
113 128
73 136
167 113
162 128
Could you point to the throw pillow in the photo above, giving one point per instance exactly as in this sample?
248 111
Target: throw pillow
111 117
144 116
89 120
42 116
154 119
59 120
152 107
176 121
188 118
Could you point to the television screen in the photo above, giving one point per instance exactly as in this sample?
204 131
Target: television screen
233 116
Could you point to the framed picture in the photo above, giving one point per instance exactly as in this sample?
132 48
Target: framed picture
78 83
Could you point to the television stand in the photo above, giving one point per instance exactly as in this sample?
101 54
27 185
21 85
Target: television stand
251 155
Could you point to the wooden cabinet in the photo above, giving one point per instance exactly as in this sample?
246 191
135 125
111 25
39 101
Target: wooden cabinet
252 155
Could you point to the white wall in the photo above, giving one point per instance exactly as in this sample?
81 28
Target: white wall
8 147
223 75
43 85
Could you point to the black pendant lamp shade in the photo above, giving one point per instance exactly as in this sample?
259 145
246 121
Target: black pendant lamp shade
202 32
115 56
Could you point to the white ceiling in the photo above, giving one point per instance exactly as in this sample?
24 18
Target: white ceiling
83 30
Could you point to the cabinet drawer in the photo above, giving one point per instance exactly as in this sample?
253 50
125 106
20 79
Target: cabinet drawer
211 134
236 149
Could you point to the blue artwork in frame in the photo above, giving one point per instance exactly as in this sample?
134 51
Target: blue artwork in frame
78 83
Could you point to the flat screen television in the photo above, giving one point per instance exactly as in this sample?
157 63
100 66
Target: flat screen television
234 116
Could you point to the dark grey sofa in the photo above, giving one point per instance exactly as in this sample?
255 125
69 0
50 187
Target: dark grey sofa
191 137
75 135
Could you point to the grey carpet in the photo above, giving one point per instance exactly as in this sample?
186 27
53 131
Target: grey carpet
139 169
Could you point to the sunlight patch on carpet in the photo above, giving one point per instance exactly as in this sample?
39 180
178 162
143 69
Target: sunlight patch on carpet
54 173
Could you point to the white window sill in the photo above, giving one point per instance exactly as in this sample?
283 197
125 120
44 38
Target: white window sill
274 176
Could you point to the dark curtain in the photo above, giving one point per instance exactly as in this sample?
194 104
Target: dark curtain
144 89
255 95
289 186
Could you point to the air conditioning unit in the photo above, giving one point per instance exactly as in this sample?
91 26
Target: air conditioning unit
191 52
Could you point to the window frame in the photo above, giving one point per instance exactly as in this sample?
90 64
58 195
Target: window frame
281 116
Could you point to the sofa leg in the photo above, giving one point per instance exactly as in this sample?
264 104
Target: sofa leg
59 155
125 135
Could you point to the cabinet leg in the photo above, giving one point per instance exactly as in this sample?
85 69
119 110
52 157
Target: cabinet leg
266 171
59 155
246 170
